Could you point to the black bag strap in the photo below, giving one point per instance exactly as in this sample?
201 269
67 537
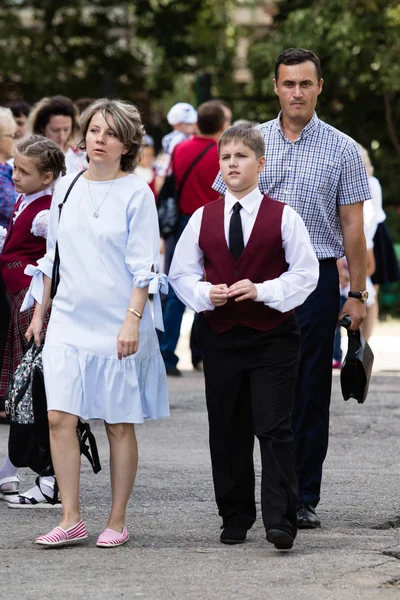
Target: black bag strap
50 499
56 261
61 205
193 164
89 451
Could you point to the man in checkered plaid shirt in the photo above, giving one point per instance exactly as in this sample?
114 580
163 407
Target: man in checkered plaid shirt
318 171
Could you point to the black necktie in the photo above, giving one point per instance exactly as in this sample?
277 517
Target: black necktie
236 244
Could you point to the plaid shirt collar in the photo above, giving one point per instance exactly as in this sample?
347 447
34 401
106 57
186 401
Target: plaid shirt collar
306 131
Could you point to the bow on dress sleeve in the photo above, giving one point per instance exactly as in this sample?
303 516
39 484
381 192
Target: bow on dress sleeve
35 290
157 283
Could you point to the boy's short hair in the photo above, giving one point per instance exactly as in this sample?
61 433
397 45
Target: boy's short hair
243 133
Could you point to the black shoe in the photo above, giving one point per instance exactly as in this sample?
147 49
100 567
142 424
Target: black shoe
173 372
233 535
307 518
280 539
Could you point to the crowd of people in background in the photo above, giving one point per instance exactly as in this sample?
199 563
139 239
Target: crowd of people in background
116 231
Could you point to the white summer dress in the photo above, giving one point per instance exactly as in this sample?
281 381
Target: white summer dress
101 259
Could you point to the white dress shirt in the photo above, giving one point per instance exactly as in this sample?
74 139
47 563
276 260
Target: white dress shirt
284 293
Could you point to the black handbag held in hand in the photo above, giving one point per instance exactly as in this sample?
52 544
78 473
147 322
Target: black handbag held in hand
55 275
357 366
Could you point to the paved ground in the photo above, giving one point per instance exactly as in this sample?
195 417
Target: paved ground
174 552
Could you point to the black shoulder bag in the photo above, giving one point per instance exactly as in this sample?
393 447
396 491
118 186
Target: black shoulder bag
55 276
168 198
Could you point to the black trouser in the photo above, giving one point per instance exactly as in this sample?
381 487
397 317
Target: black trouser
317 319
250 389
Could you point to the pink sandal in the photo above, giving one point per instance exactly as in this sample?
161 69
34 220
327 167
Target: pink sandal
110 538
62 537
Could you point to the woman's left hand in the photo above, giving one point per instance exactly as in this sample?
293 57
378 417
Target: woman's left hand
128 337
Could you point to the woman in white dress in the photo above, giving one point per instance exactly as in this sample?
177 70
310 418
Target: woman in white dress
101 357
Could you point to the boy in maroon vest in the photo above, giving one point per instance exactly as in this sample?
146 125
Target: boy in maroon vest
246 262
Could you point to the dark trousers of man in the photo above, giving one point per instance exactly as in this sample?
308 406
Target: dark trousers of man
250 381
317 319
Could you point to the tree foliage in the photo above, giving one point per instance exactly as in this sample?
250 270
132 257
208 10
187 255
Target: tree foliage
128 48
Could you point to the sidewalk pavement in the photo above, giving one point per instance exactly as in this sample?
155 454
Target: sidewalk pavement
174 551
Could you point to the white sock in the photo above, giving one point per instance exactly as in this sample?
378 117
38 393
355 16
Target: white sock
8 469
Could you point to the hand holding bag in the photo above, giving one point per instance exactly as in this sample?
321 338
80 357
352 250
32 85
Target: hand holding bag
357 366
55 275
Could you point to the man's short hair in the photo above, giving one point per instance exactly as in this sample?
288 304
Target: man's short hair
210 117
297 56
243 133
19 108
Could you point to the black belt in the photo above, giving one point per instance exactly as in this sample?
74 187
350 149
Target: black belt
327 261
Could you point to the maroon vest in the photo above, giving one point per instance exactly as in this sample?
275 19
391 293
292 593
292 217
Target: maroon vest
21 247
262 259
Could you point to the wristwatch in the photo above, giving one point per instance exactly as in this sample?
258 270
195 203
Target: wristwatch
362 296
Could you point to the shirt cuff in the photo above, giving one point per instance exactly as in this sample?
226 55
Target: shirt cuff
202 291
266 292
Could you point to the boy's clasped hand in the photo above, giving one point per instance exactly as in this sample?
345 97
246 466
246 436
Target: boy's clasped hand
241 290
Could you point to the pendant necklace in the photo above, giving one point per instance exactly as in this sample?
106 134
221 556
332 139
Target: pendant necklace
97 208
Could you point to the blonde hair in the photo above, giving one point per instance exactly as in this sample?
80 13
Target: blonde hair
45 153
127 126
53 107
366 160
5 116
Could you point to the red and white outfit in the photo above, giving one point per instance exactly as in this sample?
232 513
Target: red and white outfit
24 244
282 291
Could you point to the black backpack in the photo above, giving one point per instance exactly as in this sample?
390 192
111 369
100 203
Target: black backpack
26 410
168 207
168 198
